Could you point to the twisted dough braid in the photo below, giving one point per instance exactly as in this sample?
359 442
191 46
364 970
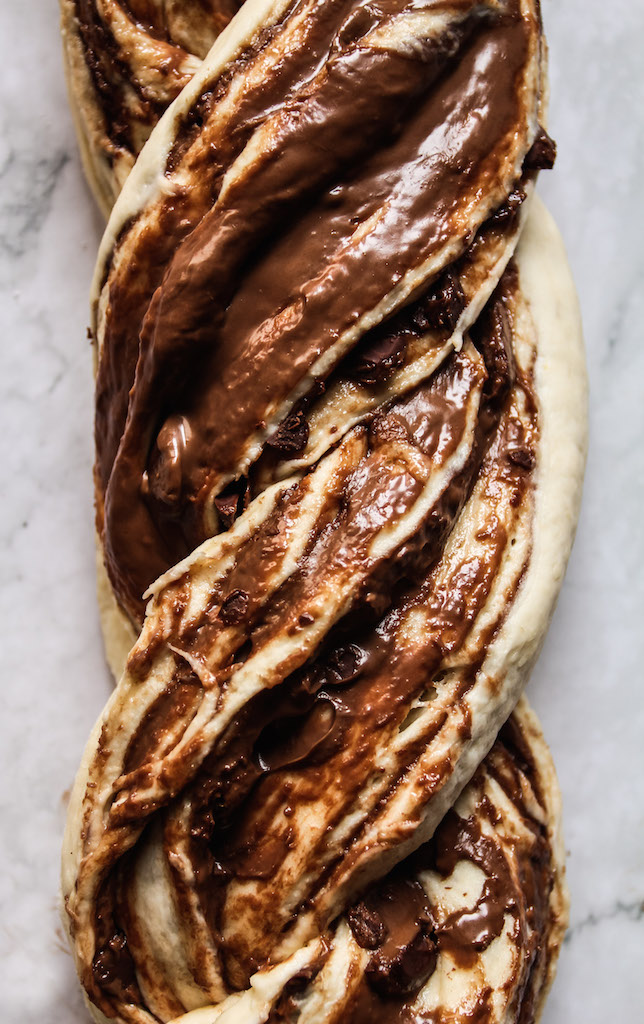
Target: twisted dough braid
470 924
468 928
339 443
265 756
226 287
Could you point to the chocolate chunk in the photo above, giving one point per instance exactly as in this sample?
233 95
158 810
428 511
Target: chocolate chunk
113 969
334 669
165 464
234 608
226 506
406 970
383 350
232 501
508 210
291 437
521 457
367 926
542 154
442 306
345 663
376 361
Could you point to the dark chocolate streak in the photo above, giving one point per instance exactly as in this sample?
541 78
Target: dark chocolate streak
112 968
130 294
265 282
105 70
370 491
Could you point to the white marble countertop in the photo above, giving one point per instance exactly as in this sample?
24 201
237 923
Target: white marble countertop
588 683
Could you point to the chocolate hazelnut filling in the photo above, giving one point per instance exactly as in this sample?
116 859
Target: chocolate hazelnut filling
347 165
406 934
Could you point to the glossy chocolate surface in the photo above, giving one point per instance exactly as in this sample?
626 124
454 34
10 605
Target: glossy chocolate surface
373 158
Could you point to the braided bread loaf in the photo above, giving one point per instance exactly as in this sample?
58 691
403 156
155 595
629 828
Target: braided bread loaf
340 439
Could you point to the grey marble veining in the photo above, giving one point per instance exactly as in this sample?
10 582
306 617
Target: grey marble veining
588 683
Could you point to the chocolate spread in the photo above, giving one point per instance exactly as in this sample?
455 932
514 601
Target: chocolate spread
234 304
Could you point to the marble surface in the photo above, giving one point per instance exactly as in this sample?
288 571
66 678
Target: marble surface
588 682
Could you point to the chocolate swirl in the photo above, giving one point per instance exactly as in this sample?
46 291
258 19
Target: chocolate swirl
465 929
313 687
343 143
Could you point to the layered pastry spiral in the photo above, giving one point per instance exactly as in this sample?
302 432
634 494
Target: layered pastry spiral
340 437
